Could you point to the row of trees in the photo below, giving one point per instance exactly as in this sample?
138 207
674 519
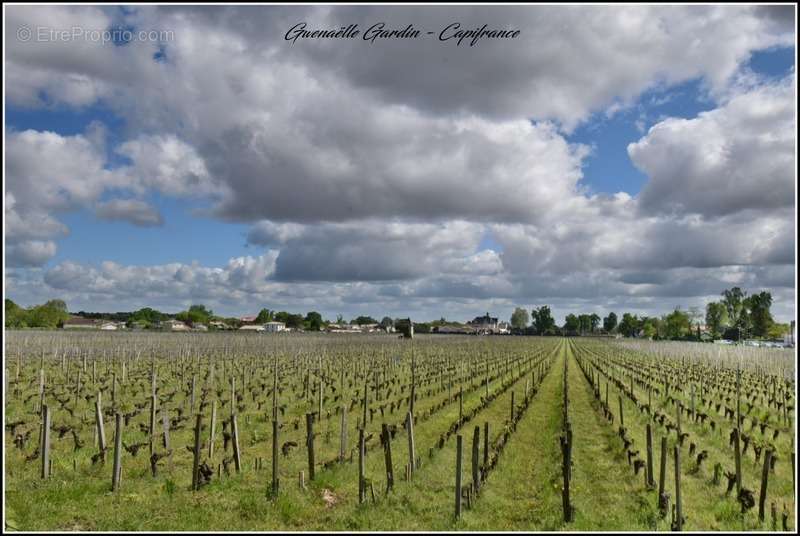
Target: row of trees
54 313
47 315
736 316
542 322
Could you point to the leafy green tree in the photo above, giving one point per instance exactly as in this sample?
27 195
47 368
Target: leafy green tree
264 316
571 324
57 305
146 316
758 313
677 325
584 323
387 322
422 327
610 322
16 316
543 321
649 327
629 326
197 314
519 318
313 321
594 322
716 318
49 315
777 331
733 299
361 320
294 321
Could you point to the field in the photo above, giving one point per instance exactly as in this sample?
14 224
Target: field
557 411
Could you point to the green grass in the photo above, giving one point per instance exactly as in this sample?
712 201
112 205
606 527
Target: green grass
605 493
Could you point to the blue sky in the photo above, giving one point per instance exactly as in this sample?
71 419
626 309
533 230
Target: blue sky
228 134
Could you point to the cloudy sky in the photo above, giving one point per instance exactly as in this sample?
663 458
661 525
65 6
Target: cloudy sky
630 158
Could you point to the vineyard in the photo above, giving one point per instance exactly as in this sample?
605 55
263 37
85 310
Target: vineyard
135 431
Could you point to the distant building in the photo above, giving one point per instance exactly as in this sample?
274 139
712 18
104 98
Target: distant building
274 327
248 319
251 327
197 326
344 328
484 324
109 326
219 324
174 325
78 322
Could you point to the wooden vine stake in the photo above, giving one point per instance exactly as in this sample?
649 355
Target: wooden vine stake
663 499
678 505
117 470
101 433
361 482
651 481
310 444
459 447
476 440
45 442
738 460
343 435
237 454
275 458
764 478
387 455
196 459
411 453
213 429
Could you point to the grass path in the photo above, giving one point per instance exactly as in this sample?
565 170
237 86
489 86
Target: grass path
523 492
604 490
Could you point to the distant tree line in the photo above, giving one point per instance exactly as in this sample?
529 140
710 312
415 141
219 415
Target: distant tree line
54 313
736 316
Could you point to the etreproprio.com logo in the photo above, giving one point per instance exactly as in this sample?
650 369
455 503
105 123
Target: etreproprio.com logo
48 34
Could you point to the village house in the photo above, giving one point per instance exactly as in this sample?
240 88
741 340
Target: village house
251 327
274 327
344 328
174 325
